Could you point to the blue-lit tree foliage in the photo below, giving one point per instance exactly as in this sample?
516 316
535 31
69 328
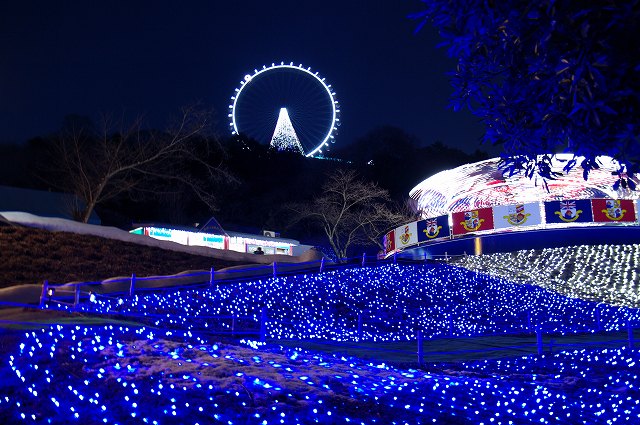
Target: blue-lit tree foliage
547 76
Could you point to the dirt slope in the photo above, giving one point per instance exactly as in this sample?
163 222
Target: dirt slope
30 255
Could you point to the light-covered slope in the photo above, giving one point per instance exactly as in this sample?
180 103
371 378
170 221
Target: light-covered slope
605 273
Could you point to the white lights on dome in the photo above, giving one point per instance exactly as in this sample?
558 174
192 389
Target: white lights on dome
482 184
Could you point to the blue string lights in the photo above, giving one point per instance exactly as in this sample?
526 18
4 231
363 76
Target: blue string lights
170 372
394 302
176 377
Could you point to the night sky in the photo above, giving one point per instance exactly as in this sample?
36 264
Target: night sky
152 57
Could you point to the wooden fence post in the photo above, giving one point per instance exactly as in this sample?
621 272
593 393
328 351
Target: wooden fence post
43 294
132 286
263 324
420 348
539 340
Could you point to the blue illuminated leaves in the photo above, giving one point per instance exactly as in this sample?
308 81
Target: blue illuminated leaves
546 76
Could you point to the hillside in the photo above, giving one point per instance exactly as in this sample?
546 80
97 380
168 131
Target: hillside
181 367
602 273
30 255
385 303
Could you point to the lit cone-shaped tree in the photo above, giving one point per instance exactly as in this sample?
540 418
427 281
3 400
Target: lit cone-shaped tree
285 137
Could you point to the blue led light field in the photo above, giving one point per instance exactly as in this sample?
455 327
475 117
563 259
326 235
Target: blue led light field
173 370
394 302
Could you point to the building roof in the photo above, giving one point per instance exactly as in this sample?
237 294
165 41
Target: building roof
212 230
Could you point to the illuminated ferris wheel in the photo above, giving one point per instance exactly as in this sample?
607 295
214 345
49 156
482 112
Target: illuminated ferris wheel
287 106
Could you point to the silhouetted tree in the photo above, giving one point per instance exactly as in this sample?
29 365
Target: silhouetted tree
547 76
350 212
98 164
396 160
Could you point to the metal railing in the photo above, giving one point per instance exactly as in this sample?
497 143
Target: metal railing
70 296
73 293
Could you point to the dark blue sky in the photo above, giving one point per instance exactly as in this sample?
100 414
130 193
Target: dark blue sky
151 57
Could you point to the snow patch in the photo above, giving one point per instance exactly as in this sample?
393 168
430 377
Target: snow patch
64 225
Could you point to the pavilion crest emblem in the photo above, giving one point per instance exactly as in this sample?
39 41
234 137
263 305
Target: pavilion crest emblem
471 221
517 218
405 237
614 211
389 243
568 211
433 230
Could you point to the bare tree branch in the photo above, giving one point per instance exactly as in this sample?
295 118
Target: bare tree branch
350 212
98 165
